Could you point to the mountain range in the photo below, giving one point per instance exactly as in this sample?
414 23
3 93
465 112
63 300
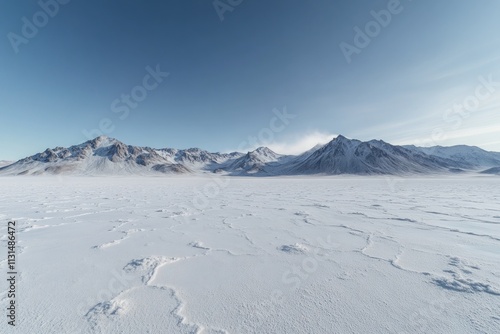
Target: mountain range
108 156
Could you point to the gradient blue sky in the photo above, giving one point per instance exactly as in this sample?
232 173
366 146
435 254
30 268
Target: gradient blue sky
227 76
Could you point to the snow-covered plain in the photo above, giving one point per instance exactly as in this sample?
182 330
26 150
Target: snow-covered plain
254 255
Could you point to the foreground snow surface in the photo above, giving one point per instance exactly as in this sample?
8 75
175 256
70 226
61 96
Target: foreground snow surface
254 255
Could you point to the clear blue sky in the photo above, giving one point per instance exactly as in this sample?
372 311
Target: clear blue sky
226 76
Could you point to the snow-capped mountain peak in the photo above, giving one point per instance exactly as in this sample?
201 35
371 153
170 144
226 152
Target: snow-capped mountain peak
264 154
